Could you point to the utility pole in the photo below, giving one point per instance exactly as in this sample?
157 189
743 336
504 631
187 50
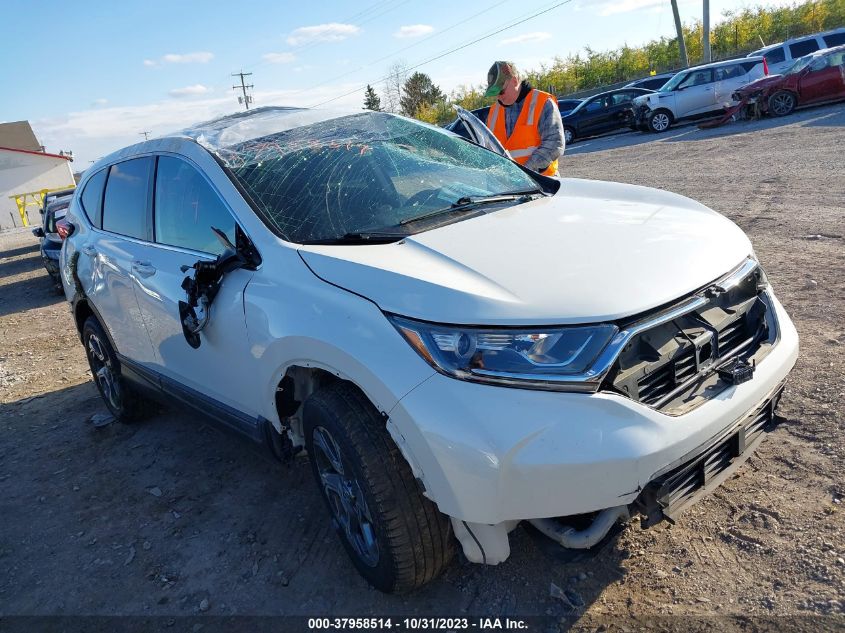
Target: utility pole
681 45
145 134
706 33
246 99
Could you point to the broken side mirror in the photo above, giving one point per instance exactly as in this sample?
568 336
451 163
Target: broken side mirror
202 287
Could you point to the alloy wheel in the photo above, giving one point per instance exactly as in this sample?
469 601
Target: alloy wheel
567 136
660 121
103 370
782 103
345 497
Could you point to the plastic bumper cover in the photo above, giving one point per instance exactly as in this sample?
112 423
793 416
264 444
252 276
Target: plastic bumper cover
489 454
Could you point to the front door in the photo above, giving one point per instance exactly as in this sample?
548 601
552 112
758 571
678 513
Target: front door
185 208
823 79
696 94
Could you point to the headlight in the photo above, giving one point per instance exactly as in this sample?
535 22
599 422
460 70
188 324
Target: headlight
541 358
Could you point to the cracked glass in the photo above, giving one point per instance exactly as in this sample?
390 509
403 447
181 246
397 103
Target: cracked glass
359 173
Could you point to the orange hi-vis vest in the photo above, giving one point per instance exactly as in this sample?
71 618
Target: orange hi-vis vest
525 137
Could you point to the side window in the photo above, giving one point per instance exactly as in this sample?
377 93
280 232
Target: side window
126 201
729 72
92 198
776 55
804 47
621 98
819 63
834 39
595 105
186 207
698 78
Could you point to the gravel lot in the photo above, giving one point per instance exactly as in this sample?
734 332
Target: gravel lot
173 517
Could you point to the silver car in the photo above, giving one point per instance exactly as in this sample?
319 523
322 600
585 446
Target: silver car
696 92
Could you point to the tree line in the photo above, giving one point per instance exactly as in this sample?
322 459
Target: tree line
739 32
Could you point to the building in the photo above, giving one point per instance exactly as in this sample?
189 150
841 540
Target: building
25 172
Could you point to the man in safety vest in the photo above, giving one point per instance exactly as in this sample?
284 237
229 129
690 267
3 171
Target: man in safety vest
525 120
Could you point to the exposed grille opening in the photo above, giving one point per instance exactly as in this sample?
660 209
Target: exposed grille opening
671 492
666 366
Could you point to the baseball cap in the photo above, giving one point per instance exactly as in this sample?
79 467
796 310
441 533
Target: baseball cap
498 76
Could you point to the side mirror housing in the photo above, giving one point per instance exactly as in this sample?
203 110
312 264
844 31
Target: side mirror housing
38 232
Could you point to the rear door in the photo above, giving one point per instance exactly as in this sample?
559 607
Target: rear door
112 255
730 78
696 94
185 207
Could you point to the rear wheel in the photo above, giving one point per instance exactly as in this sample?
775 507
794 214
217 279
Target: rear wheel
568 135
659 121
396 538
782 103
122 401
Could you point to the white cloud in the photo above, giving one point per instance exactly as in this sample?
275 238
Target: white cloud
99 103
332 32
279 58
525 38
413 30
200 57
188 58
189 91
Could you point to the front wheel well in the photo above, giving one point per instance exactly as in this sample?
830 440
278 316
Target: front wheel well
81 313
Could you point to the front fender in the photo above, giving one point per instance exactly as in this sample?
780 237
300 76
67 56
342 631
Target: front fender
330 329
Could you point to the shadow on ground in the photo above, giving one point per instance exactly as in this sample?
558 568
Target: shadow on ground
154 517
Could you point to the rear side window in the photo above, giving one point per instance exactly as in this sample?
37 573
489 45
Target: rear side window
776 55
126 199
835 39
729 72
186 207
804 47
92 198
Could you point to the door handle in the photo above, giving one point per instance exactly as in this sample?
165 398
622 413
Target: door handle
89 250
145 269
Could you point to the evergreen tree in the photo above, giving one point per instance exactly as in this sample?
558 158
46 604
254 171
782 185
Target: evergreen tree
371 99
419 91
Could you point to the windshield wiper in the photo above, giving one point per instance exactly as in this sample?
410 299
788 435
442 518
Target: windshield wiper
364 237
468 203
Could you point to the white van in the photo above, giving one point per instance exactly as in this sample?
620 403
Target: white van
780 56
695 92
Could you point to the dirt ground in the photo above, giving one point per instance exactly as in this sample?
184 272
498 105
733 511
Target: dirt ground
173 517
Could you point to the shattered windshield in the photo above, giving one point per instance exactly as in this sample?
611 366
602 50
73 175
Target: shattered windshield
670 85
363 173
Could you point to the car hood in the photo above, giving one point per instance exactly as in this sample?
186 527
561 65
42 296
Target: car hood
769 81
595 251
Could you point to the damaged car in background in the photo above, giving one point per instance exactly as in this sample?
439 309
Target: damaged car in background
457 343
812 79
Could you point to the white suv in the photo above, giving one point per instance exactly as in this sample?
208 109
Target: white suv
458 343
696 92
781 56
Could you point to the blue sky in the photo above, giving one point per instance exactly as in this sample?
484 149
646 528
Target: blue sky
91 76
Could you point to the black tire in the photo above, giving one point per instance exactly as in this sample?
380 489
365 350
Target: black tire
122 401
659 121
782 103
568 135
401 540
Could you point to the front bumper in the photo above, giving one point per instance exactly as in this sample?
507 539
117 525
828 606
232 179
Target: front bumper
489 455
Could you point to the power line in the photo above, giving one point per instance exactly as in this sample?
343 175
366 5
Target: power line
449 52
486 9
246 99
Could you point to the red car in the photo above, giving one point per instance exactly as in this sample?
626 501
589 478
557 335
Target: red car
811 79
